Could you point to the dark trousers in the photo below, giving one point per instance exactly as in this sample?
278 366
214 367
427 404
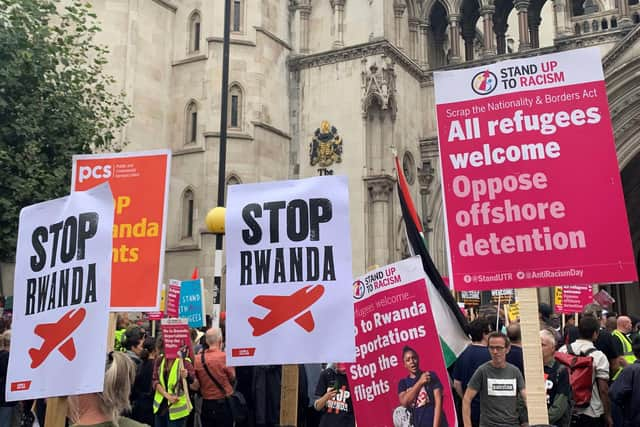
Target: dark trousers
216 413
585 421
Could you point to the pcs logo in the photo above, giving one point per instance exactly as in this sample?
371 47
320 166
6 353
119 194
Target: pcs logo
359 290
484 82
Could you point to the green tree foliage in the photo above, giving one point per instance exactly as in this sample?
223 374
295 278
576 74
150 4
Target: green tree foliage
55 101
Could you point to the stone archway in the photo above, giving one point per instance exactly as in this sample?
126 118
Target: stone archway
624 103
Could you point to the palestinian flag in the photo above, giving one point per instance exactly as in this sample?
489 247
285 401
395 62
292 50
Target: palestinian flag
450 321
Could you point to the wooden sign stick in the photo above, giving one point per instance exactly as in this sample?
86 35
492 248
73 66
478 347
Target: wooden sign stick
289 396
532 354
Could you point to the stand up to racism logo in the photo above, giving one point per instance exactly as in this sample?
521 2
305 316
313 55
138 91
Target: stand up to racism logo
484 82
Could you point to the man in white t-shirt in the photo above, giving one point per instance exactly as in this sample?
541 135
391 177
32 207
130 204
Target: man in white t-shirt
598 413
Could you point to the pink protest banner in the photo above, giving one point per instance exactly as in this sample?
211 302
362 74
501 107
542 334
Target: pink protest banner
155 315
573 298
528 164
173 298
397 345
175 334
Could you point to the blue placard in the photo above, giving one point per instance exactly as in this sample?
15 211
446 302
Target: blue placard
192 302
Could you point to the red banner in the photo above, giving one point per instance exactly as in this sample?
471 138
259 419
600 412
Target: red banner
139 183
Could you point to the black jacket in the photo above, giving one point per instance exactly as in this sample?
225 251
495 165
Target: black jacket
625 392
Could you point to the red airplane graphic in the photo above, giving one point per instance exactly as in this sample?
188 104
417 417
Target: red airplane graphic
285 307
56 333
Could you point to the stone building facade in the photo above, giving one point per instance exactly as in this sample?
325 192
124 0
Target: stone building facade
363 66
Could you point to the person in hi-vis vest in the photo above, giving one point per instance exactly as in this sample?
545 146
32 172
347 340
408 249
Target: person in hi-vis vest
624 328
171 405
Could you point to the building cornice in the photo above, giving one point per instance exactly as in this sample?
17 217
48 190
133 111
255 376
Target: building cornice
271 129
273 37
621 47
591 39
188 150
230 135
231 41
189 60
359 51
167 4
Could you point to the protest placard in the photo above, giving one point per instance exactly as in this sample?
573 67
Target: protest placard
519 213
503 296
289 272
173 298
175 335
140 185
572 298
192 302
396 344
470 298
513 311
61 296
157 315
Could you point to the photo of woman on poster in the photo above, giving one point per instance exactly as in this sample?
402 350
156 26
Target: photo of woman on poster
421 393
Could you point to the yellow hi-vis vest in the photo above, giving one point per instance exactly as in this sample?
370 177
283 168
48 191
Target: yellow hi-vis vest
626 346
180 409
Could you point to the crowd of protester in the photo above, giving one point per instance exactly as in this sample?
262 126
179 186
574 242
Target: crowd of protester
143 387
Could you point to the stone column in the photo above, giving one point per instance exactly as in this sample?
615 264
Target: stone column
534 29
454 37
305 11
561 18
425 178
413 38
424 37
522 7
625 14
338 13
379 243
487 28
398 11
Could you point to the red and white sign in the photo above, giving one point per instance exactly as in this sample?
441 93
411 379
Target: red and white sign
396 344
572 298
528 161
61 294
140 185
176 337
289 272
173 298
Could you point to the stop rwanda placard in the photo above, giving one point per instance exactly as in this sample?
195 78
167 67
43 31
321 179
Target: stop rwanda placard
61 296
530 177
289 272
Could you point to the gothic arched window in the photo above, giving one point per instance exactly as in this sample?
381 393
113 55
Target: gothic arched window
237 16
188 211
235 106
194 32
191 122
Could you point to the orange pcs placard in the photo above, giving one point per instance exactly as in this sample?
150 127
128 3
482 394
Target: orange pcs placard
140 183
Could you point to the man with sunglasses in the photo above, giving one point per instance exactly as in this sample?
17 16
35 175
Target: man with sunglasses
499 384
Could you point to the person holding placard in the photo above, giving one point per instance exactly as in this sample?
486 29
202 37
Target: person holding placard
104 409
171 406
333 398
421 393
7 409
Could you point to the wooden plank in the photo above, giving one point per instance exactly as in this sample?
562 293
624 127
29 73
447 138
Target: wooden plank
532 354
289 396
56 412
111 332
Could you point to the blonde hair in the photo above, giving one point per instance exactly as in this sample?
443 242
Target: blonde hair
118 379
